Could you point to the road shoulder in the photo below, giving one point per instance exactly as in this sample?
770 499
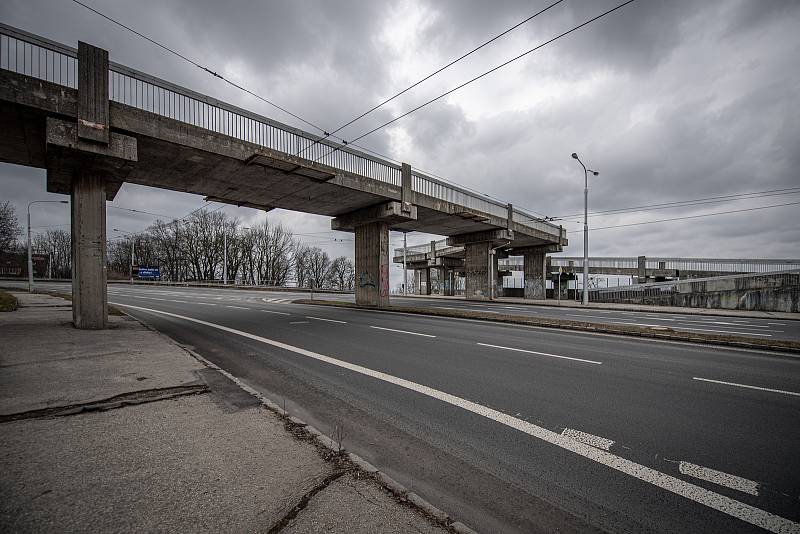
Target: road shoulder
122 429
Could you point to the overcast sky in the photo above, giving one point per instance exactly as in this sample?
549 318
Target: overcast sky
670 100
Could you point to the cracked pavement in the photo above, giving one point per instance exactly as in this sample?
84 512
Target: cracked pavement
168 444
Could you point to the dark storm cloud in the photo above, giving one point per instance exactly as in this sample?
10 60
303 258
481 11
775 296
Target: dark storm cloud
669 99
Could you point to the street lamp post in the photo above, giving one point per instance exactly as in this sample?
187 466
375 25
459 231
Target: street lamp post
405 267
224 257
585 228
30 245
133 250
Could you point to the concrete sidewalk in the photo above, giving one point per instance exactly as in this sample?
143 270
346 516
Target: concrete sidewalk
122 430
625 307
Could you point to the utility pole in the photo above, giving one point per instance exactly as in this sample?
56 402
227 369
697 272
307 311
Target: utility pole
30 257
585 228
30 243
133 252
224 257
405 267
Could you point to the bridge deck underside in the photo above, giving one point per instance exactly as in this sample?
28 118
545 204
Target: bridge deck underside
178 156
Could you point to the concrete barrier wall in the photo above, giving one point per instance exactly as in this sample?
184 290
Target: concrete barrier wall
761 292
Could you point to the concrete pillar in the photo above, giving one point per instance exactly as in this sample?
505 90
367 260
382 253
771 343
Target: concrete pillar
425 281
448 282
498 279
476 267
89 298
372 264
534 273
641 271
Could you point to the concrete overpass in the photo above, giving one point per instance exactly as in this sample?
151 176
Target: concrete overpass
94 124
449 260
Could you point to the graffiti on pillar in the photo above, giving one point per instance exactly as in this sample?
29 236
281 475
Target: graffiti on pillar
365 280
534 287
384 280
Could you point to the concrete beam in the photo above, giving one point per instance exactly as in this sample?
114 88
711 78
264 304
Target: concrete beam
372 264
446 262
68 155
495 237
406 191
93 116
389 213
89 298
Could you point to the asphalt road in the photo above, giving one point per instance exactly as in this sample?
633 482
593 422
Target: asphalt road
767 328
516 429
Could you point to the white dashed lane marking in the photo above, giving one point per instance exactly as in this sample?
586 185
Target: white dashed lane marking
719 478
746 386
540 353
402 331
588 439
326 320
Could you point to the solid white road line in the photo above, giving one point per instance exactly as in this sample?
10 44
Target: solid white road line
236 307
275 312
732 507
784 392
402 331
720 478
589 439
326 320
540 353
204 303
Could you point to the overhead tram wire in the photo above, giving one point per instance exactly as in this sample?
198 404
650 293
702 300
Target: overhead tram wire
431 75
476 78
690 203
217 75
276 106
690 217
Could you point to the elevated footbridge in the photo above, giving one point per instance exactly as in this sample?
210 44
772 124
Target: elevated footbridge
94 124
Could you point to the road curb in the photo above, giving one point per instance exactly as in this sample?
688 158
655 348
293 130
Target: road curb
652 308
778 346
399 491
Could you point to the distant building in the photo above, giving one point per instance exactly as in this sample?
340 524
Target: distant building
15 265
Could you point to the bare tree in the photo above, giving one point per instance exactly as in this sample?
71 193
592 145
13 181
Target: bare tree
169 243
58 244
300 261
342 273
319 266
9 227
204 244
267 253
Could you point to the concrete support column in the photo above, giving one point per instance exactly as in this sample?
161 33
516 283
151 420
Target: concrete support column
89 297
535 273
424 281
448 282
497 280
372 264
476 267
641 271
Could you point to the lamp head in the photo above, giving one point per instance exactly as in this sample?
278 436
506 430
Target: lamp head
575 155
595 173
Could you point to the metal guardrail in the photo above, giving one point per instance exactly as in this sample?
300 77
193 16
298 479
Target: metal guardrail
34 56
721 265
663 289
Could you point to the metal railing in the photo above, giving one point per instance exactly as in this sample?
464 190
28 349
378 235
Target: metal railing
635 292
705 265
28 54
